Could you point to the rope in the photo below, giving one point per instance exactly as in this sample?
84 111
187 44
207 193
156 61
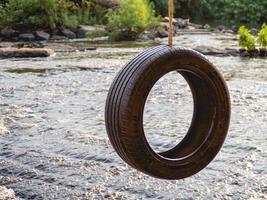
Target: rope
171 5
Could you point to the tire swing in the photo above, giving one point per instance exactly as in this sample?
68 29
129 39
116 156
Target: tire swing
126 101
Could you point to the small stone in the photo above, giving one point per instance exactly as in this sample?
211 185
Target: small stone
145 38
221 28
235 28
68 33
212 51
164 26
83 30
81 33
243 53
181 23
165 19
58 37
206 26
162 34
41 35
26 37
263 52
254 31
191 27
207 50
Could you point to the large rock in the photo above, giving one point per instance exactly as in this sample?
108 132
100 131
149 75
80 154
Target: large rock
178 22
207 50
166 19
7 194
66 32
9 35
41 35
212 51
58 37
162 34
206 26
235 28
181 23
263 52
164 26
222 28
26 37
84 30
196 26
254 31
25 52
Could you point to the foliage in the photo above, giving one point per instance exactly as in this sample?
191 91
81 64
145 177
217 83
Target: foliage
49 14
130 20
2 16
262 36
3 2
246 39
250 12
88 12
161 7
95 15
181 7
28 15
237 12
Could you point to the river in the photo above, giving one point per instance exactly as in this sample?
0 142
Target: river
53 142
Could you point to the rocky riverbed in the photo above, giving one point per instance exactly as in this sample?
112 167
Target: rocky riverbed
53 143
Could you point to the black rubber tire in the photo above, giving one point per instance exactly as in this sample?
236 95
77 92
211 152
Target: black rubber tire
209 126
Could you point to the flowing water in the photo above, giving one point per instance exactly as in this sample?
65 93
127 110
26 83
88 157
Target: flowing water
53 142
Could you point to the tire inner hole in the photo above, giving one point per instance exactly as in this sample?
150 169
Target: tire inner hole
168 112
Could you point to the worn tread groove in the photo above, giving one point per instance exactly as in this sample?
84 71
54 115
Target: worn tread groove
117 85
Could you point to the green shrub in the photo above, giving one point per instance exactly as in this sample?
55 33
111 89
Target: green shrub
3 2
246 39
28 15
2 17
250 12
66 14
130 20
88 12
97 15
262 36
